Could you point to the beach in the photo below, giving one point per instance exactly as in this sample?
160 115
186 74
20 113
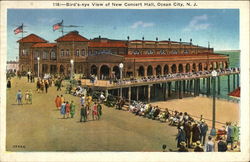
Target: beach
197 106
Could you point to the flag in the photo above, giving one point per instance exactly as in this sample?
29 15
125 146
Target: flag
57 26
19 29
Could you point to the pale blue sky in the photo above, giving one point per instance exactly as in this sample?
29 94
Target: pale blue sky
219 27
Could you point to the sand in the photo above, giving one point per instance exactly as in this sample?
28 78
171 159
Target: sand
197 106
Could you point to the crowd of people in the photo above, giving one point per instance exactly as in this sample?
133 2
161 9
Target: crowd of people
192 134
176 75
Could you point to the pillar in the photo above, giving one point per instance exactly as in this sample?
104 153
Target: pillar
166 91
238 80
149 91
228 83
233 81
208 86
129 95
169 89
184 86
180 89
218 91
190 86
137 93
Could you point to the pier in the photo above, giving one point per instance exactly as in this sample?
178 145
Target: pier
145 87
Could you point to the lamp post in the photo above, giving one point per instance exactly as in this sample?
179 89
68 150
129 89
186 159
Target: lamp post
38 59
71 72
213 130
121 67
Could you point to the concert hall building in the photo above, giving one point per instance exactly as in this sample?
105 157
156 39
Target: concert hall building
102 56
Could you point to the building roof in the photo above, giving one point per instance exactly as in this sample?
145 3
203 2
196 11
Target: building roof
72 36
107 44
44 45
32 38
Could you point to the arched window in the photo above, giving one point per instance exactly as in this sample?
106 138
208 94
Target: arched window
162 52
150 52
67 52
186 52
174 52
52 55
83 52
62 52
136 52
45 55
77 52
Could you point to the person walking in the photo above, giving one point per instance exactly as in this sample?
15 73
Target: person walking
72 109
187 129
8 83
209 146
94 111
42 86
181 136
58 102
19 97
67 109
83 114
204 129
195 133
236 135
46 84
99 111
230 138
38 85
26 97
63 109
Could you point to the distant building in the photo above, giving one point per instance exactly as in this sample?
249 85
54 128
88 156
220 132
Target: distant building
101 56
12 66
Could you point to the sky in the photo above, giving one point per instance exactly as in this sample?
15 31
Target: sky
219 27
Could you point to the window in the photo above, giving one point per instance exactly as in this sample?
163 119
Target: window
174 52
83 52
77 52
162 52
96 52
45 55
52 55
67 52
186 52
90 52
136 52
150 52
36 54
62 52
24 52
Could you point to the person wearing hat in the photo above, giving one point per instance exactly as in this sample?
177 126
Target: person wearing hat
198 147
181 136
222 146
182 147
230 138
204 129
187 129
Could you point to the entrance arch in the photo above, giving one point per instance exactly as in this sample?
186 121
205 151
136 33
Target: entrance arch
194 67
149 70
62 69
180 68
104 72
166 69
187 68
158 70
173 68
116 71
200 66
141 71
93 70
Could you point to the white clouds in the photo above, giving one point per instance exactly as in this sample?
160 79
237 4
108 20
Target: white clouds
197 23
141 24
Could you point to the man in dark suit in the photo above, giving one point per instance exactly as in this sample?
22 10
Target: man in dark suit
204 129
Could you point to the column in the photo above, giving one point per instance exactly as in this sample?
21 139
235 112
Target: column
184 86
233 81
190 86
218 85
208 86
169 89
129 95
198 86
238 80
228 83
166 91
149 91
137 93
180 89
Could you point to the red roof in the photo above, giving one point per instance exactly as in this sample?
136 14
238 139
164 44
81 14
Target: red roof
72 36
107 44
32 38
235 93
44 45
